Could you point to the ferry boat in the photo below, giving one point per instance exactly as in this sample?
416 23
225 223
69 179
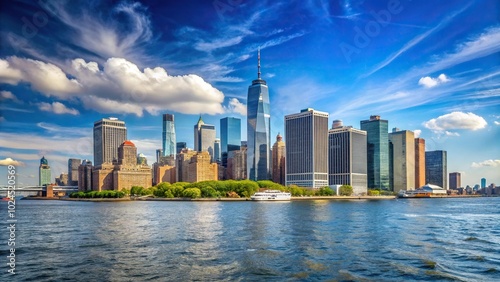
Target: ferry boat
414 194
271 195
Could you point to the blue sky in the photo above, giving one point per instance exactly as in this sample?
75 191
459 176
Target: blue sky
433 68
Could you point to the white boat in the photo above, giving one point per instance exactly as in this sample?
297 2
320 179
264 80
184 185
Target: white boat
271 195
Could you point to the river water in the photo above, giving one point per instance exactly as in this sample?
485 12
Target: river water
384 240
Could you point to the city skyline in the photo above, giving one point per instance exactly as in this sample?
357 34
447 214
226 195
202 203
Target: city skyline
422 71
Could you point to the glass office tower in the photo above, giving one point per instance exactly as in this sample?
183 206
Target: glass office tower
378 152
169 144
258 129
230 133
436 168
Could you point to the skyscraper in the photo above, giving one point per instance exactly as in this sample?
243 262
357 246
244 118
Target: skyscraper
44 175
217 154
436 171
109 134
306 135
85 176
402 161
455 180
377 151
279 160
419 162
204 138
230 134
73 165
347 157
258 129
168 141
483 182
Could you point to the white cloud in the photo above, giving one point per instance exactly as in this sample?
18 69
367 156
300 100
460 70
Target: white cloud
7 95
235 106
491 163
8 74
46 78
449 133
455 120
219 43
57 108
497 122
9 161
417 133
430 82
121 87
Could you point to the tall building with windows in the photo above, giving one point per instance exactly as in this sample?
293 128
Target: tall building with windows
306 135
230 135
436 168
204 138
73 165
168 136
279 160
217 154
455 180
85 176
347 157
377 151
483 182
419 162
258 129
109 134
44 175
402 161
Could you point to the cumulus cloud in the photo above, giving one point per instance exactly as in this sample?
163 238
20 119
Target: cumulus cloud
455 120
57 108
46 78
235 106
491 163
121 87
9 161
497 122
8 74
430 82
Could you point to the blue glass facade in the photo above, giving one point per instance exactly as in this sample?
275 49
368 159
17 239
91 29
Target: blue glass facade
377 152
168 140
230 134
258 130
436 168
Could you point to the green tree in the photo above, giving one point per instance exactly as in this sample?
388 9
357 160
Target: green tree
192 193
373 192
345 190
209 192
325 191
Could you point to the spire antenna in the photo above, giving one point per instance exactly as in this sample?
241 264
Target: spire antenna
258 65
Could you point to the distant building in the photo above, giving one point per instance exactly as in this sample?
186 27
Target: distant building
142 160
73 165
204 138
109 134
347 157
44 175
85 176
62 180
279 160
306 134
217 152
230 135
455 180
377 151
258 129
159 154
168 136
483 182
124 173
419 162
193 166
402 160
164 173
237 164
180 146
436 171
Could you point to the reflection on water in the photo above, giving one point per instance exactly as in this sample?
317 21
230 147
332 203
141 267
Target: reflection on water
398 240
